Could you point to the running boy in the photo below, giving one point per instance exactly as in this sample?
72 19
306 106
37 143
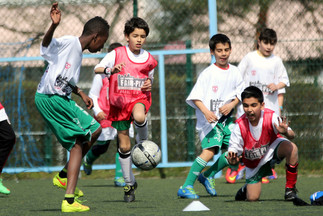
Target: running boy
263 69
7 141
74 128
98 93
129 93
214 96
257 138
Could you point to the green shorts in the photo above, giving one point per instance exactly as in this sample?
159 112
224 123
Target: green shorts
219 136
265 170
123 125
66 119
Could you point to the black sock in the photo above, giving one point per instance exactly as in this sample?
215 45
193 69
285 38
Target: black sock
70 200
62 174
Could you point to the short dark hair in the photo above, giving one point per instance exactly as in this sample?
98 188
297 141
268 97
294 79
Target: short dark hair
135 22
96 25
219 38
113 46
268 35
252 91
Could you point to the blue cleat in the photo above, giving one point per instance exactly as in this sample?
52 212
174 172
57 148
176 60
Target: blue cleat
87 167
119 182
187 192
208 184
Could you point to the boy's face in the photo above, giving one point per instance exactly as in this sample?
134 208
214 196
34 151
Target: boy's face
252 108
136 40
266 48
97 43
221 53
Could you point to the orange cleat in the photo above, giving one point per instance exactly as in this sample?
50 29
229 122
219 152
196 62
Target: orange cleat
231 175
264 180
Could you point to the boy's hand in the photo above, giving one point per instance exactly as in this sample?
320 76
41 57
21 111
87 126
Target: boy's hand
273 87
87 100
226 109
282 126
117 68
101 116
210 116
147 85
233 158
55 14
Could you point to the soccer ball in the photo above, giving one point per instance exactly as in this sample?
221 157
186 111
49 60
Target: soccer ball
146 155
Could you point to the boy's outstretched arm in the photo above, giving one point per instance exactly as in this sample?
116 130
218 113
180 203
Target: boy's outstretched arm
55 15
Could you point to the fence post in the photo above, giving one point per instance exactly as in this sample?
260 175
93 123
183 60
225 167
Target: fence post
190 130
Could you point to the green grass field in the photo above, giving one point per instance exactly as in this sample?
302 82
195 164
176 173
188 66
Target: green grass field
154 196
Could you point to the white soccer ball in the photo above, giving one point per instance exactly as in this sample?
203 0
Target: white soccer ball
146 155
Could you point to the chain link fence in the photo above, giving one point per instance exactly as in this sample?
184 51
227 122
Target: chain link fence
174 25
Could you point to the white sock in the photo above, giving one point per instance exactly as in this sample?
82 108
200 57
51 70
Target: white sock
142 131
126 163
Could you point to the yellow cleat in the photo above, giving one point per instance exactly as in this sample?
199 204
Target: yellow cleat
62 183
74 207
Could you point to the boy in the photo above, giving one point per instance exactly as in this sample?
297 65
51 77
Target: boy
129 93
214 96
74 128
7 141
257 139
101 111
263 69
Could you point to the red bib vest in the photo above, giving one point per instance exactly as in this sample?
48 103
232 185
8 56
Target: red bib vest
104 102
254 150
125 86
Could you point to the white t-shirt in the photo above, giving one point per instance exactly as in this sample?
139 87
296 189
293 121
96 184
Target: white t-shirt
214 87
95 92
259 71
109 59
3 115
64 56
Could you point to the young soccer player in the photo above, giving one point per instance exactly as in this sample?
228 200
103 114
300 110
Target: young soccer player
214 96
98 93
129 93
263 69
74 128
256 138
7 141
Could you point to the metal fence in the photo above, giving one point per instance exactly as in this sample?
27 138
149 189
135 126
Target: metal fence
175 26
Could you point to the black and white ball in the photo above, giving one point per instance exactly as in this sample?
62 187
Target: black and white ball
146 155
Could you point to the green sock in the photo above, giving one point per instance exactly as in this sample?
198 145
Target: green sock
221 163
118 171
198 165
90 157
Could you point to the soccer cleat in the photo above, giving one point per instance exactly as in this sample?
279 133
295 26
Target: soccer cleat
129 192
74 207
290 194
119 182
264 180
208 183
241 171
274 175
3 189
87 167
62 183
241 194
231 175
187 192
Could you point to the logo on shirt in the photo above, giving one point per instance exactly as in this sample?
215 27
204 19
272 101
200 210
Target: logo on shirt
62 83
214 88
67 66
129 82
215 104
256 153
262 87
253 72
